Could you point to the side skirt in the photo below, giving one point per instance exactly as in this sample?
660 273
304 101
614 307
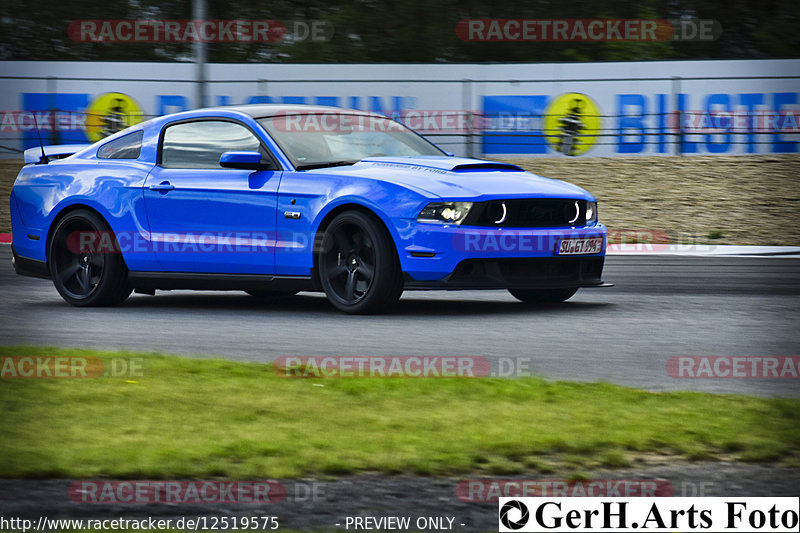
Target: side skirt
219 282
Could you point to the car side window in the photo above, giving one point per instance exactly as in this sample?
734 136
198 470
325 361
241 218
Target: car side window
126 147
200 144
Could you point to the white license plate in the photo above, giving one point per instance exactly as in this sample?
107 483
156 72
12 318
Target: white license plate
591 245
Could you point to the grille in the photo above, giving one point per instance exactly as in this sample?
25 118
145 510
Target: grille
528 213
529 272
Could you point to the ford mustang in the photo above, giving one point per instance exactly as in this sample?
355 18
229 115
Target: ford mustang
277 199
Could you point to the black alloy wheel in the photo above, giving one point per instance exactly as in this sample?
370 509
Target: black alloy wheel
85 262
358 265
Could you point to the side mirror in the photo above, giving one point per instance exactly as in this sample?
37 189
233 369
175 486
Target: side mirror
243 160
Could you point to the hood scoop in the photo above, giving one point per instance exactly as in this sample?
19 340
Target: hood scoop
461 165
487 166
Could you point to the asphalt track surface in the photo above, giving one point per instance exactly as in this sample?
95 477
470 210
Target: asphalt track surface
399 495
661 307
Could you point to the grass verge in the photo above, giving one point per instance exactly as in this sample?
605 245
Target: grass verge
198 418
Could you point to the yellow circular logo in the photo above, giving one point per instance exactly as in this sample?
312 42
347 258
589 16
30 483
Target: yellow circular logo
572 123
110 113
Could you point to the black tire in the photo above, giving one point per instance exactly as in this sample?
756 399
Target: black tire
268 294
543 296
89 276
358 266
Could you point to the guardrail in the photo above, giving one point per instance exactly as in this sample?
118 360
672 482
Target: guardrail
676 129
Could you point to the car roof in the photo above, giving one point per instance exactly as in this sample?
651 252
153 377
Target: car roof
269 110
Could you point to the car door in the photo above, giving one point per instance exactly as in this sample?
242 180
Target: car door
204 218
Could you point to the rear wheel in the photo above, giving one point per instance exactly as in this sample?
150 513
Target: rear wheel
543 296
87 275
358 265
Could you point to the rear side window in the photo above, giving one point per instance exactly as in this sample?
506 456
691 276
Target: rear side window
200 144
126 147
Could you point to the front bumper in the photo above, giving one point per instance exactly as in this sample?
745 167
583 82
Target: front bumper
532 273
454 257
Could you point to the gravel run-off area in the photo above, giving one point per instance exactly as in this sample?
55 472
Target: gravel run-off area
686 200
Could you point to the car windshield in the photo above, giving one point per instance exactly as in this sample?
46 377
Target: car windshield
324 139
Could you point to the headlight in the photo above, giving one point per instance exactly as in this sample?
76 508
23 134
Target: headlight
445 212
591 213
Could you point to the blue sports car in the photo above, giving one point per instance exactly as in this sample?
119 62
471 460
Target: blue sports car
277 199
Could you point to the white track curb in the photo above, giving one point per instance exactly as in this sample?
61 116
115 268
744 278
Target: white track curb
703 250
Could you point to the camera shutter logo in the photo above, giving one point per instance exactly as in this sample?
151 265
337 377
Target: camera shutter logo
524 514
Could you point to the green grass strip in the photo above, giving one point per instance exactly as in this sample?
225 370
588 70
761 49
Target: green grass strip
199 418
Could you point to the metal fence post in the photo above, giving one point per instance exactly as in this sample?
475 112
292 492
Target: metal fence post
676 99
199 13
466 106
52 106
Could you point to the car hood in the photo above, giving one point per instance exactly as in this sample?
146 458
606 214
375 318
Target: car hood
459 178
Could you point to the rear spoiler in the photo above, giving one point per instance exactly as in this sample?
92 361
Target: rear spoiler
59 151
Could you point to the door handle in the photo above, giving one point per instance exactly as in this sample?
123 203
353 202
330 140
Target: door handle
163 186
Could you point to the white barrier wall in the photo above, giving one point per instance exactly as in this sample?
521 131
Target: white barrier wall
579 109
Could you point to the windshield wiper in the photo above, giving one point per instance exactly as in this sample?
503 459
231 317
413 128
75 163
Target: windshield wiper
326 164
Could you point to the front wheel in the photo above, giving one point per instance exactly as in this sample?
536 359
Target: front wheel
85 274
358 265
543 296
